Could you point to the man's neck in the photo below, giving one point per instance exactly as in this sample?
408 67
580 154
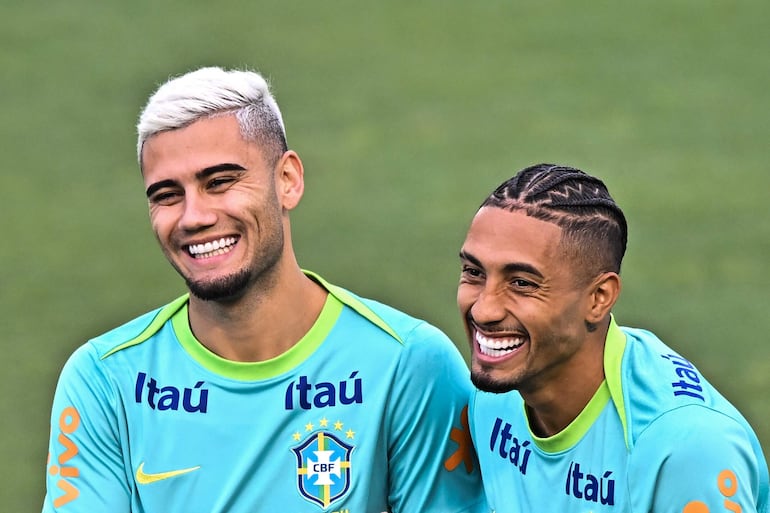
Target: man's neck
263 323
549 415
557 399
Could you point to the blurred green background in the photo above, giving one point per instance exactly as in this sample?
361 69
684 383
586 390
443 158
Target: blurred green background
406 114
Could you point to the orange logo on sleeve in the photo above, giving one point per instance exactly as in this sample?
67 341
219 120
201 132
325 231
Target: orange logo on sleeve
69 420
464 452
728 485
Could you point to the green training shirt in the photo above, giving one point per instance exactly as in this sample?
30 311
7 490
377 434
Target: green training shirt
363 415
656 437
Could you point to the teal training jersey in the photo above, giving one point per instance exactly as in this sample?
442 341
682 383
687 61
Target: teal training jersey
366 413
656 437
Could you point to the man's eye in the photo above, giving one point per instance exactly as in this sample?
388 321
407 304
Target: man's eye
219 182
522 284
471 271
163 198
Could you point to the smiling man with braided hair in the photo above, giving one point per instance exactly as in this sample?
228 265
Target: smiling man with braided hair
573 412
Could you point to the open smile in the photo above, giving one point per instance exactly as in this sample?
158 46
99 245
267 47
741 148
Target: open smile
212 248
497 347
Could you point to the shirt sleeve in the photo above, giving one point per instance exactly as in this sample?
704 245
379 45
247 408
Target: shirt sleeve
85 470
433 468
692 460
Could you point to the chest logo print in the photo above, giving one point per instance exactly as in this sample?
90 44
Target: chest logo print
144 478
323 462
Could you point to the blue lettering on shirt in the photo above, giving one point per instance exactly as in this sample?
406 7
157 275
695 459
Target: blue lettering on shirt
588 487
508 446
306 395
168 397
689 382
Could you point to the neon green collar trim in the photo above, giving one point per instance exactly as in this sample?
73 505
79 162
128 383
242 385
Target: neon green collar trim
354 303
614 348
251 371
610 388
163 315
576 429
177 313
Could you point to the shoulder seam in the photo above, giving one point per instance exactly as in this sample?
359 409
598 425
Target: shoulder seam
162 315
693 405
352 301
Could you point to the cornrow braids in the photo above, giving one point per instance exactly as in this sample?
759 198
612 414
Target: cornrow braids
575 201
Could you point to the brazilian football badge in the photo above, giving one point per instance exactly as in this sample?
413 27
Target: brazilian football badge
323 462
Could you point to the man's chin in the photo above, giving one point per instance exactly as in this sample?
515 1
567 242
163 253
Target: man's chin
226 289
486 383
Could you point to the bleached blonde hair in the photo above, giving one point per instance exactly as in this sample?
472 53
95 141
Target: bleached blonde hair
213 91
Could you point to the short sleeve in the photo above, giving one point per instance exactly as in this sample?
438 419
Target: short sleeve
433 468
85 470
693 460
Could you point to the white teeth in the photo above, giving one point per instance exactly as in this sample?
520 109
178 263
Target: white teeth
210 249
498 346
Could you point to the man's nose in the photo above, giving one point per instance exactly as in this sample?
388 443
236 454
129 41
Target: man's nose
198 213
489 307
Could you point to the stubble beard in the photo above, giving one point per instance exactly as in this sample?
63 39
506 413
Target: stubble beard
483 380
260 274
226 288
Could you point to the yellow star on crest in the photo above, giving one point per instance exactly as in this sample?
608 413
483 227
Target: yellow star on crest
350 433
323 422
296 436
338 426
309 426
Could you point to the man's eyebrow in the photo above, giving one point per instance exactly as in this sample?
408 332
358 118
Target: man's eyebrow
200 175
520 267
464 255
212 170
509 268
159 185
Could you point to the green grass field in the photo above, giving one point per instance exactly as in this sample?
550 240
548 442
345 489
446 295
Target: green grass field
406 115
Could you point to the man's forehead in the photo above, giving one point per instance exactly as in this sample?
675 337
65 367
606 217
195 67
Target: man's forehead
204 144
494 222
498 237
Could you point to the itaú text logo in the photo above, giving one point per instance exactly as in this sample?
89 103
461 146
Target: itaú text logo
69 421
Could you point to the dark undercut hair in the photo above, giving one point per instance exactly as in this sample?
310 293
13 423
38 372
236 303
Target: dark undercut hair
594 230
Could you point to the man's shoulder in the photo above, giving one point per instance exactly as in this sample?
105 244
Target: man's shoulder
135 331
401 321
652 368
399 325
417 342
407 328
661 386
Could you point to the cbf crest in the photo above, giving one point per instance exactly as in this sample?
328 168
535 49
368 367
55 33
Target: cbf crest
324 463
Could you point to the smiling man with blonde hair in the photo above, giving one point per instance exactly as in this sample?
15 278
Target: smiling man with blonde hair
265 388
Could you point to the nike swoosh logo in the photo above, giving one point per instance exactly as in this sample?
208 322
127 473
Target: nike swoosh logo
144 478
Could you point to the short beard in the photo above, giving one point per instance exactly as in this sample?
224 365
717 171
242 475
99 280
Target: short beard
484 382
228 288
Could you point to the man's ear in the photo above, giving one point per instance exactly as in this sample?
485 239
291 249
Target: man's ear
290 180
605 291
